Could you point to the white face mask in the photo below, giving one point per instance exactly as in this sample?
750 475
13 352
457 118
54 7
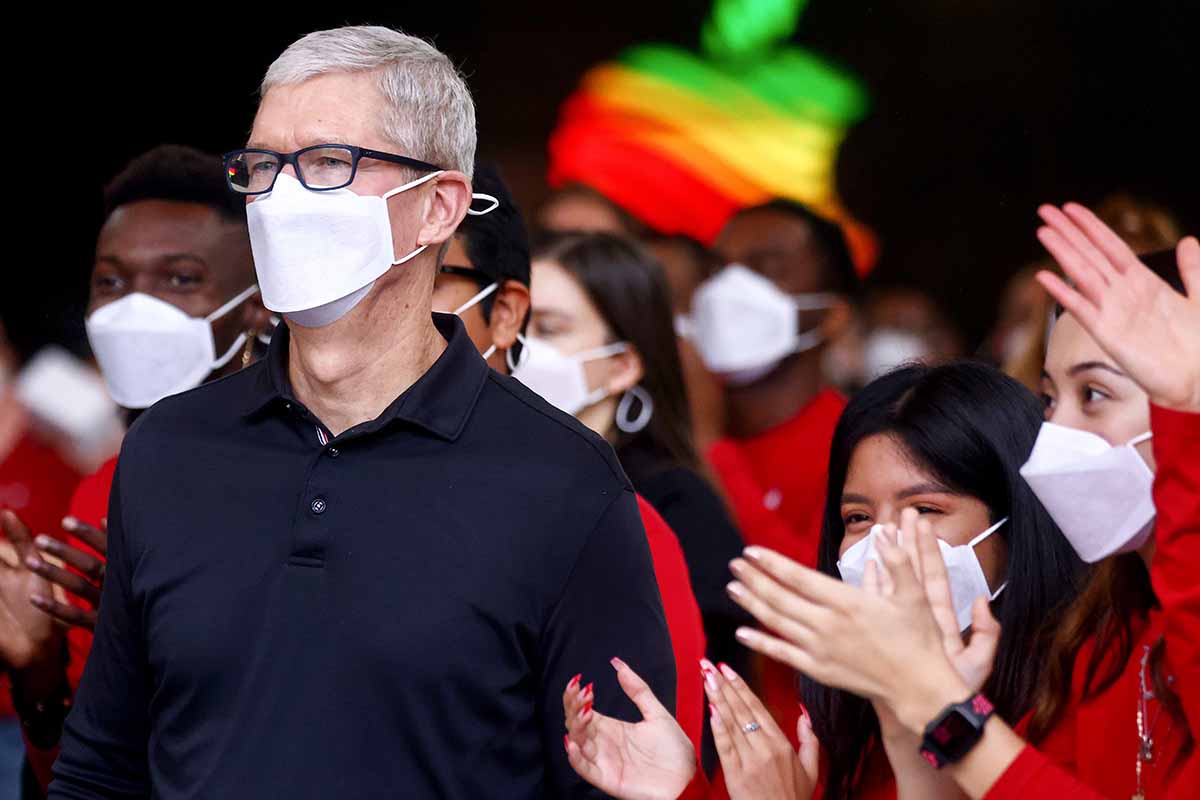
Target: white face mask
561 380
319 253
967 580
1100 496
743 325
148 349
888 348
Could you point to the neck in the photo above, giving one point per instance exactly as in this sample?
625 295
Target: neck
599 417
777 398
347 373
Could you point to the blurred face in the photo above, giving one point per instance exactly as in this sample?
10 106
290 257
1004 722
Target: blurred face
581 211
343 109
563 316
883 480
185 254
776 245
1084 389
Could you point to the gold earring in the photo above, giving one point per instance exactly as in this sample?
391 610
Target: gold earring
248 350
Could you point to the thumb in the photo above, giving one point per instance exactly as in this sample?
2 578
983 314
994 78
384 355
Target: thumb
1188 255
638 691
810 749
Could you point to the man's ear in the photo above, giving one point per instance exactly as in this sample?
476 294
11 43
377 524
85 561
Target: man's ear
446 207
509 312
625 372
837 319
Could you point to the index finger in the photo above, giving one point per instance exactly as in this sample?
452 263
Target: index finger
93 537
1105 239
808 583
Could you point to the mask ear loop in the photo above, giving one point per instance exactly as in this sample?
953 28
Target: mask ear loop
508 359
392 193
476 299
971 544
240 341
810 302
1139 439
495 203
643 418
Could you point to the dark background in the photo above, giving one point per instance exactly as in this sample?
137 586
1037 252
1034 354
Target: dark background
980 109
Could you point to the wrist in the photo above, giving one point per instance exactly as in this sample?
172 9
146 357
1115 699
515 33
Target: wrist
923 701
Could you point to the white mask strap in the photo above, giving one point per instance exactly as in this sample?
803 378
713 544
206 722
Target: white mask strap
488 353
232 304
1139 439
231 352
986 534
508 357
601 352
476 299
411 255
495 203
411 184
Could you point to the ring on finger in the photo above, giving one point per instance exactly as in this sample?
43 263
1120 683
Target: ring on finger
751 727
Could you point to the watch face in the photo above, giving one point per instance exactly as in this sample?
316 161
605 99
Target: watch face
955 734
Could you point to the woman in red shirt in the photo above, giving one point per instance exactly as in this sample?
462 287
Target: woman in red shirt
1112 715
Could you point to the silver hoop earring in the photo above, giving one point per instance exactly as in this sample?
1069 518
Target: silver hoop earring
643 418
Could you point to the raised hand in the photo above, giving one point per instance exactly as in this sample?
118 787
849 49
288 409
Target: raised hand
87 587
887 648
27 636
648 760
757 759
1147 327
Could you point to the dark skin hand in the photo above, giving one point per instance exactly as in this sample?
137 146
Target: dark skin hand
86 586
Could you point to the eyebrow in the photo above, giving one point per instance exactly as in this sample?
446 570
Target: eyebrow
929 487
1087 365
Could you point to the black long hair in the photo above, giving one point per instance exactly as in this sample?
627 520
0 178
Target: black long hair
627 286
971 427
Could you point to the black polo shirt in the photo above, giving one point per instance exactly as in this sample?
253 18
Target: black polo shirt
393 612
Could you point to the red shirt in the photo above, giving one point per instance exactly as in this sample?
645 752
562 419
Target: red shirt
1091 752
88 505
683 621
776 483
36 483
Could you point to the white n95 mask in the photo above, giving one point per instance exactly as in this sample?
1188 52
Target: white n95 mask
967 580
1100 496
743 325
561 380
148 349
318 254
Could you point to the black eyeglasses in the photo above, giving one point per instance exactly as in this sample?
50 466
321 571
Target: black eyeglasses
480 277
321 168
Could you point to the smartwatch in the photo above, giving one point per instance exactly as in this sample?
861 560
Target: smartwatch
955 731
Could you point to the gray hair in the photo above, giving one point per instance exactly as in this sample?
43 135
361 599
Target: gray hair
428 112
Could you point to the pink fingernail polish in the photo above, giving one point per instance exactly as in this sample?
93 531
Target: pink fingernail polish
617 663
727 671
706 666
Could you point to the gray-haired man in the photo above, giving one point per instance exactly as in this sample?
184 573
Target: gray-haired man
369 565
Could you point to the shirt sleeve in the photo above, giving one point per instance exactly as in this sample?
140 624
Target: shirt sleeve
106 735
609 607
1032 776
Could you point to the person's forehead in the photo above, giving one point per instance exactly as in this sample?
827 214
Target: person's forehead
763 227
342 108
881 465
162 224
1070 344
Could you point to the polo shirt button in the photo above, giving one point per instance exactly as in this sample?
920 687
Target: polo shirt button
319 505
334 452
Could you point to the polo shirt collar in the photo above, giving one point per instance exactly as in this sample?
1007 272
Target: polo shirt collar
441 401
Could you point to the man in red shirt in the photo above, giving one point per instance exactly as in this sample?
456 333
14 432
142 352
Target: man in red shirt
173 235
761 324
